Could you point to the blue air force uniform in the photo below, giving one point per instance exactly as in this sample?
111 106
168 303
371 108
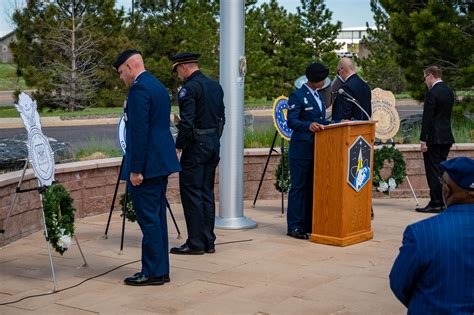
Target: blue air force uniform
305 106
150 151
202 117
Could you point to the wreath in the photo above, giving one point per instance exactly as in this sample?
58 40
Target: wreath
283 184
128 210
398 171
59 217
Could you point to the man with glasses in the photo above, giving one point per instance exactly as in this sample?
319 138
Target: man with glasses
434 271
357 89
436 136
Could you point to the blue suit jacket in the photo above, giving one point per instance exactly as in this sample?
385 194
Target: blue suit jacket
302 111
358 89
434 272
150 148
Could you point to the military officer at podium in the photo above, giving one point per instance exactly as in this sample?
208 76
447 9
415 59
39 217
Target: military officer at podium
150 157
201 109
306 115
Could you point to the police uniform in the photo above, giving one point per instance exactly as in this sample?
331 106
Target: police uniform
201 109
150 152
305 107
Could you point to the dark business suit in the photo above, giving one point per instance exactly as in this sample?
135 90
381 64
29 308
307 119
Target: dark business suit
434 272
150 151
436 132
345 109
303 110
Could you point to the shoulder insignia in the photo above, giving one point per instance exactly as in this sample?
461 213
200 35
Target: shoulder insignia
182 92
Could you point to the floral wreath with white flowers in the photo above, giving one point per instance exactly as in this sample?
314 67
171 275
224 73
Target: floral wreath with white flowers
398 171
59 216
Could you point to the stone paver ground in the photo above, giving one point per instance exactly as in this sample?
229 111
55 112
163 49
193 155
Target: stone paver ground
257 271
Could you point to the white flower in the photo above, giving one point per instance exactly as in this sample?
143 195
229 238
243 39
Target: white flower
392 184
383 186
64 241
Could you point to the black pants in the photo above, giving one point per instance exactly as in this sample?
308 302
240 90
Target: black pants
436 154
196 183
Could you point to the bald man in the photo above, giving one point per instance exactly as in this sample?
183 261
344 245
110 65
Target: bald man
356 90
150 158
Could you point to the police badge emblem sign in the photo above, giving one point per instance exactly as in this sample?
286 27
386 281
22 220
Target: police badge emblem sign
359 162
280 120
40 154
121 132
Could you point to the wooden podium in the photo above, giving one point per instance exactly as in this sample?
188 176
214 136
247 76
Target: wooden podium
341 214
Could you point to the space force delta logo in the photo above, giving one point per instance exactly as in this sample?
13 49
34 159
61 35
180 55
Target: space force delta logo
360 155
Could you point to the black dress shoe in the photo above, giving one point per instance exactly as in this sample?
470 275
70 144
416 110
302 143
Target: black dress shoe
430 209
186 250
210 250
165 278
297 233
141 279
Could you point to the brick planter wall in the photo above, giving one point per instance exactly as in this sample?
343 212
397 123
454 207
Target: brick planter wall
92 184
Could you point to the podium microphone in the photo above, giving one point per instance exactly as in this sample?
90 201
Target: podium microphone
353 100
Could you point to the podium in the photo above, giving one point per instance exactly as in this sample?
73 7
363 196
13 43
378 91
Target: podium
342 190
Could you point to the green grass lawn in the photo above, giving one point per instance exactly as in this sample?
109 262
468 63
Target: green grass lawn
8 78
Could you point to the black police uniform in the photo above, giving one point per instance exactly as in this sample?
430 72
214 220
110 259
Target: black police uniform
201 108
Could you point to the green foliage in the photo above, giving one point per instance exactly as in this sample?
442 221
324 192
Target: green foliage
381 68
59 216
9 80
282 174
432 32
64 50
130 214
261 138
164 28
279 45
397 174
95 145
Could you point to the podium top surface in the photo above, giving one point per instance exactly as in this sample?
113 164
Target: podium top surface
349 123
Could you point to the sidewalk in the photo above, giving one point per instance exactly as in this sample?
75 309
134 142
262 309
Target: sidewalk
257 271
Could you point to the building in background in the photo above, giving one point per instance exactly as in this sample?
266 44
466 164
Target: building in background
350 38
6 55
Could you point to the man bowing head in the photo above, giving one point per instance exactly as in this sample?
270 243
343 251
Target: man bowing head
149 159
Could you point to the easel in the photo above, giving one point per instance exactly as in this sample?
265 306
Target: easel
112 206
392 143
41 190
282 171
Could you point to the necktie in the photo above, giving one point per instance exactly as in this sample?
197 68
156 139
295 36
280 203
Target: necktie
318 100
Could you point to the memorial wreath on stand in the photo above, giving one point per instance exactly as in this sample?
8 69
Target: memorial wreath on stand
386 185
130 214
59 217
283 184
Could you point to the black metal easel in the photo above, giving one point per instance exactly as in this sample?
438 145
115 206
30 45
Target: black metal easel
112 206
282 171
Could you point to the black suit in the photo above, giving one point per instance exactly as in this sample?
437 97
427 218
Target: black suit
436 132
345 109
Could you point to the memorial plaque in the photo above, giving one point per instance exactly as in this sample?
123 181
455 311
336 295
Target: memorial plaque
384 114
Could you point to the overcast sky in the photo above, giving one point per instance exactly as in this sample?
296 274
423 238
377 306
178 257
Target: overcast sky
349 12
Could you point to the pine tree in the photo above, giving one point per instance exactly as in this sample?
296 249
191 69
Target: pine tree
315 22
64 50
380 67
432 32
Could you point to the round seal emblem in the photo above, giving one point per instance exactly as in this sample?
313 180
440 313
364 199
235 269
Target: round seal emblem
121 131
41 156
384 114
280 121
